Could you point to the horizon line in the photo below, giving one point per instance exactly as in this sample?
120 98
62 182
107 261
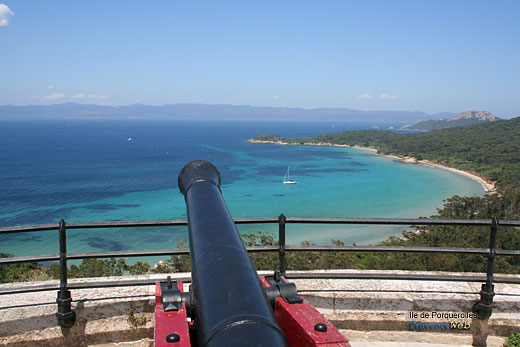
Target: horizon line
235 105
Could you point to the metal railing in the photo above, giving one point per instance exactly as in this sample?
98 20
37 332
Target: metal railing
483 308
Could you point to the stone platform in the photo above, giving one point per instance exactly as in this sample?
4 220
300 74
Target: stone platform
367 312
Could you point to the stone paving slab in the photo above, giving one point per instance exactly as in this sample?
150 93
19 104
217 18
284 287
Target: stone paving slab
413 339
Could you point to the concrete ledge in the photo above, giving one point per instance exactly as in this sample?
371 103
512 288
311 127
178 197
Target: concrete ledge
364 310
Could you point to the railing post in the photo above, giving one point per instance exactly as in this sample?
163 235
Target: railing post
484 308
281 244
66 317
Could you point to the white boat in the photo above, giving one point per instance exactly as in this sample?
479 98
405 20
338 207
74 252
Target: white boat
287 179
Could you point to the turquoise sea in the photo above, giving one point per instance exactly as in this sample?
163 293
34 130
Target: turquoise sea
95 170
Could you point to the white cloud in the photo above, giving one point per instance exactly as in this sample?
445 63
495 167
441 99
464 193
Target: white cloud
276 97
89 96
53 96
50 87
365 96
98 97
387 96
5 13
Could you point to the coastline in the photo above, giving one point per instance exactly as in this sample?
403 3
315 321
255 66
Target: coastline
488 186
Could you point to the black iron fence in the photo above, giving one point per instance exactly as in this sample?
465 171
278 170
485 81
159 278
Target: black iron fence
483 307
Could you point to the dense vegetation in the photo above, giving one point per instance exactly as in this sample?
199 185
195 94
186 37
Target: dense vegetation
491 149
429 125
91 268
513 340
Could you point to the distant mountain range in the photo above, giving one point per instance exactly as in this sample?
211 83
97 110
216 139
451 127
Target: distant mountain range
206 112
462 119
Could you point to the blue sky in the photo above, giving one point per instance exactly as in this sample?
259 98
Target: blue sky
430 56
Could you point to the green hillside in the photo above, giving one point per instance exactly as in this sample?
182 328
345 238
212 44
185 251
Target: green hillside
491 149
428 125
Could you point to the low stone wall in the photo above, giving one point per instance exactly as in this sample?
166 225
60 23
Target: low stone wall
364 310
376 310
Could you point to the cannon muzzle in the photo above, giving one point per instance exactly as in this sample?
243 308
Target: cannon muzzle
228 298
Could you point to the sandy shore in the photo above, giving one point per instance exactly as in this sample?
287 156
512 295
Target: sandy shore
487 185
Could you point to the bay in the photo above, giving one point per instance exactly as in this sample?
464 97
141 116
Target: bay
94 170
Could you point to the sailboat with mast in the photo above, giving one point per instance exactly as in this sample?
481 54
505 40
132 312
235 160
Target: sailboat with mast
287 178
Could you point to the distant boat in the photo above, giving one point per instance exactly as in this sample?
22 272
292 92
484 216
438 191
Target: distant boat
129 139
287 179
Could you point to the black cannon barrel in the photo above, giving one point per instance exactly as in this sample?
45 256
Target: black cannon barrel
231 307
